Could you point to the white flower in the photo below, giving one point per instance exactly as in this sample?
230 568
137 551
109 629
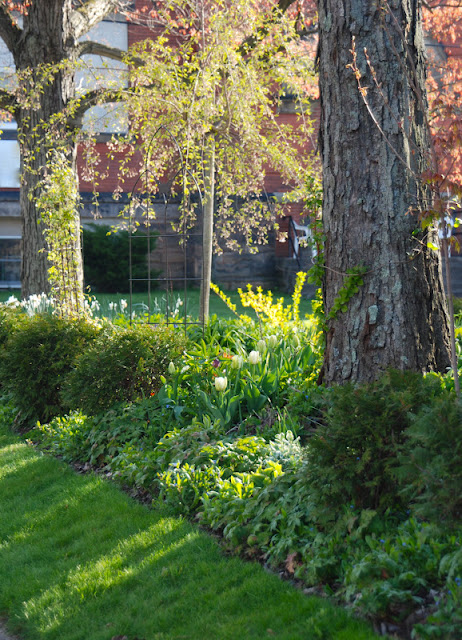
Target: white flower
112 306
254 357
237 362
261 346
221 383
37 303
12 301
123 305
171 368
272 341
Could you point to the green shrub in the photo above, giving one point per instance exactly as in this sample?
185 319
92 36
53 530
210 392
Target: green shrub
106 259
121 365
431 463
10 320
457 302
35 360
353 455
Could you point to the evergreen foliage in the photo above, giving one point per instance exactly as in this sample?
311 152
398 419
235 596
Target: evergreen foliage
106 259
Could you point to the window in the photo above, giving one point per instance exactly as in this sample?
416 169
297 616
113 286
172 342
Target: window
10 262
9 164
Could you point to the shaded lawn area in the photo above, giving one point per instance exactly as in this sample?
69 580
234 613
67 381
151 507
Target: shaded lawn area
80 560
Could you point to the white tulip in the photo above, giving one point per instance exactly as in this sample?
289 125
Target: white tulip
221 383
254 357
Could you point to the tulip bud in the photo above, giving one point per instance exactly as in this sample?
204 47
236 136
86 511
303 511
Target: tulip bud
254 357
237 362
221 383
261 346
171 368
272 341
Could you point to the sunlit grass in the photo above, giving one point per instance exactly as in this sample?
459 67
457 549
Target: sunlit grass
110 303
79 560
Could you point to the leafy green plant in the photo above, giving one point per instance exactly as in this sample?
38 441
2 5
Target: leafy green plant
106 259
353 280
122 364
445 620
11 318
98 439
36 359
66 436
58 202
231 468
228 388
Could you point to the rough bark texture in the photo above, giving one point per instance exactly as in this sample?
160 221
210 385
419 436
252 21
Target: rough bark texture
47 41
370 172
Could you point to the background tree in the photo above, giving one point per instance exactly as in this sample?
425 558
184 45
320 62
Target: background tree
44 38
45 45
215 92
374 151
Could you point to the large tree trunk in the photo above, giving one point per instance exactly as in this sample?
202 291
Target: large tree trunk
372 194
47 40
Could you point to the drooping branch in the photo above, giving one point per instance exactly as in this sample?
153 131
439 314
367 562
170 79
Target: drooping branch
251 42
91 99
91 12
8 101
9 31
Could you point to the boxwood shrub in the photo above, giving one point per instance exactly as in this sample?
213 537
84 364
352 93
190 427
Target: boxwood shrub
35 359
121 365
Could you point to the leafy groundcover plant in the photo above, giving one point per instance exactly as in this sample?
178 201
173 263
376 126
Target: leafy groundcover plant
323 485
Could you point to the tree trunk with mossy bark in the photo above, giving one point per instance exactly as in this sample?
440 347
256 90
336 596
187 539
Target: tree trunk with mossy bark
47 42
45 49
375 146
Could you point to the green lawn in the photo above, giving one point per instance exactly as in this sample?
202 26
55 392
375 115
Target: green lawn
80 560
158 300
